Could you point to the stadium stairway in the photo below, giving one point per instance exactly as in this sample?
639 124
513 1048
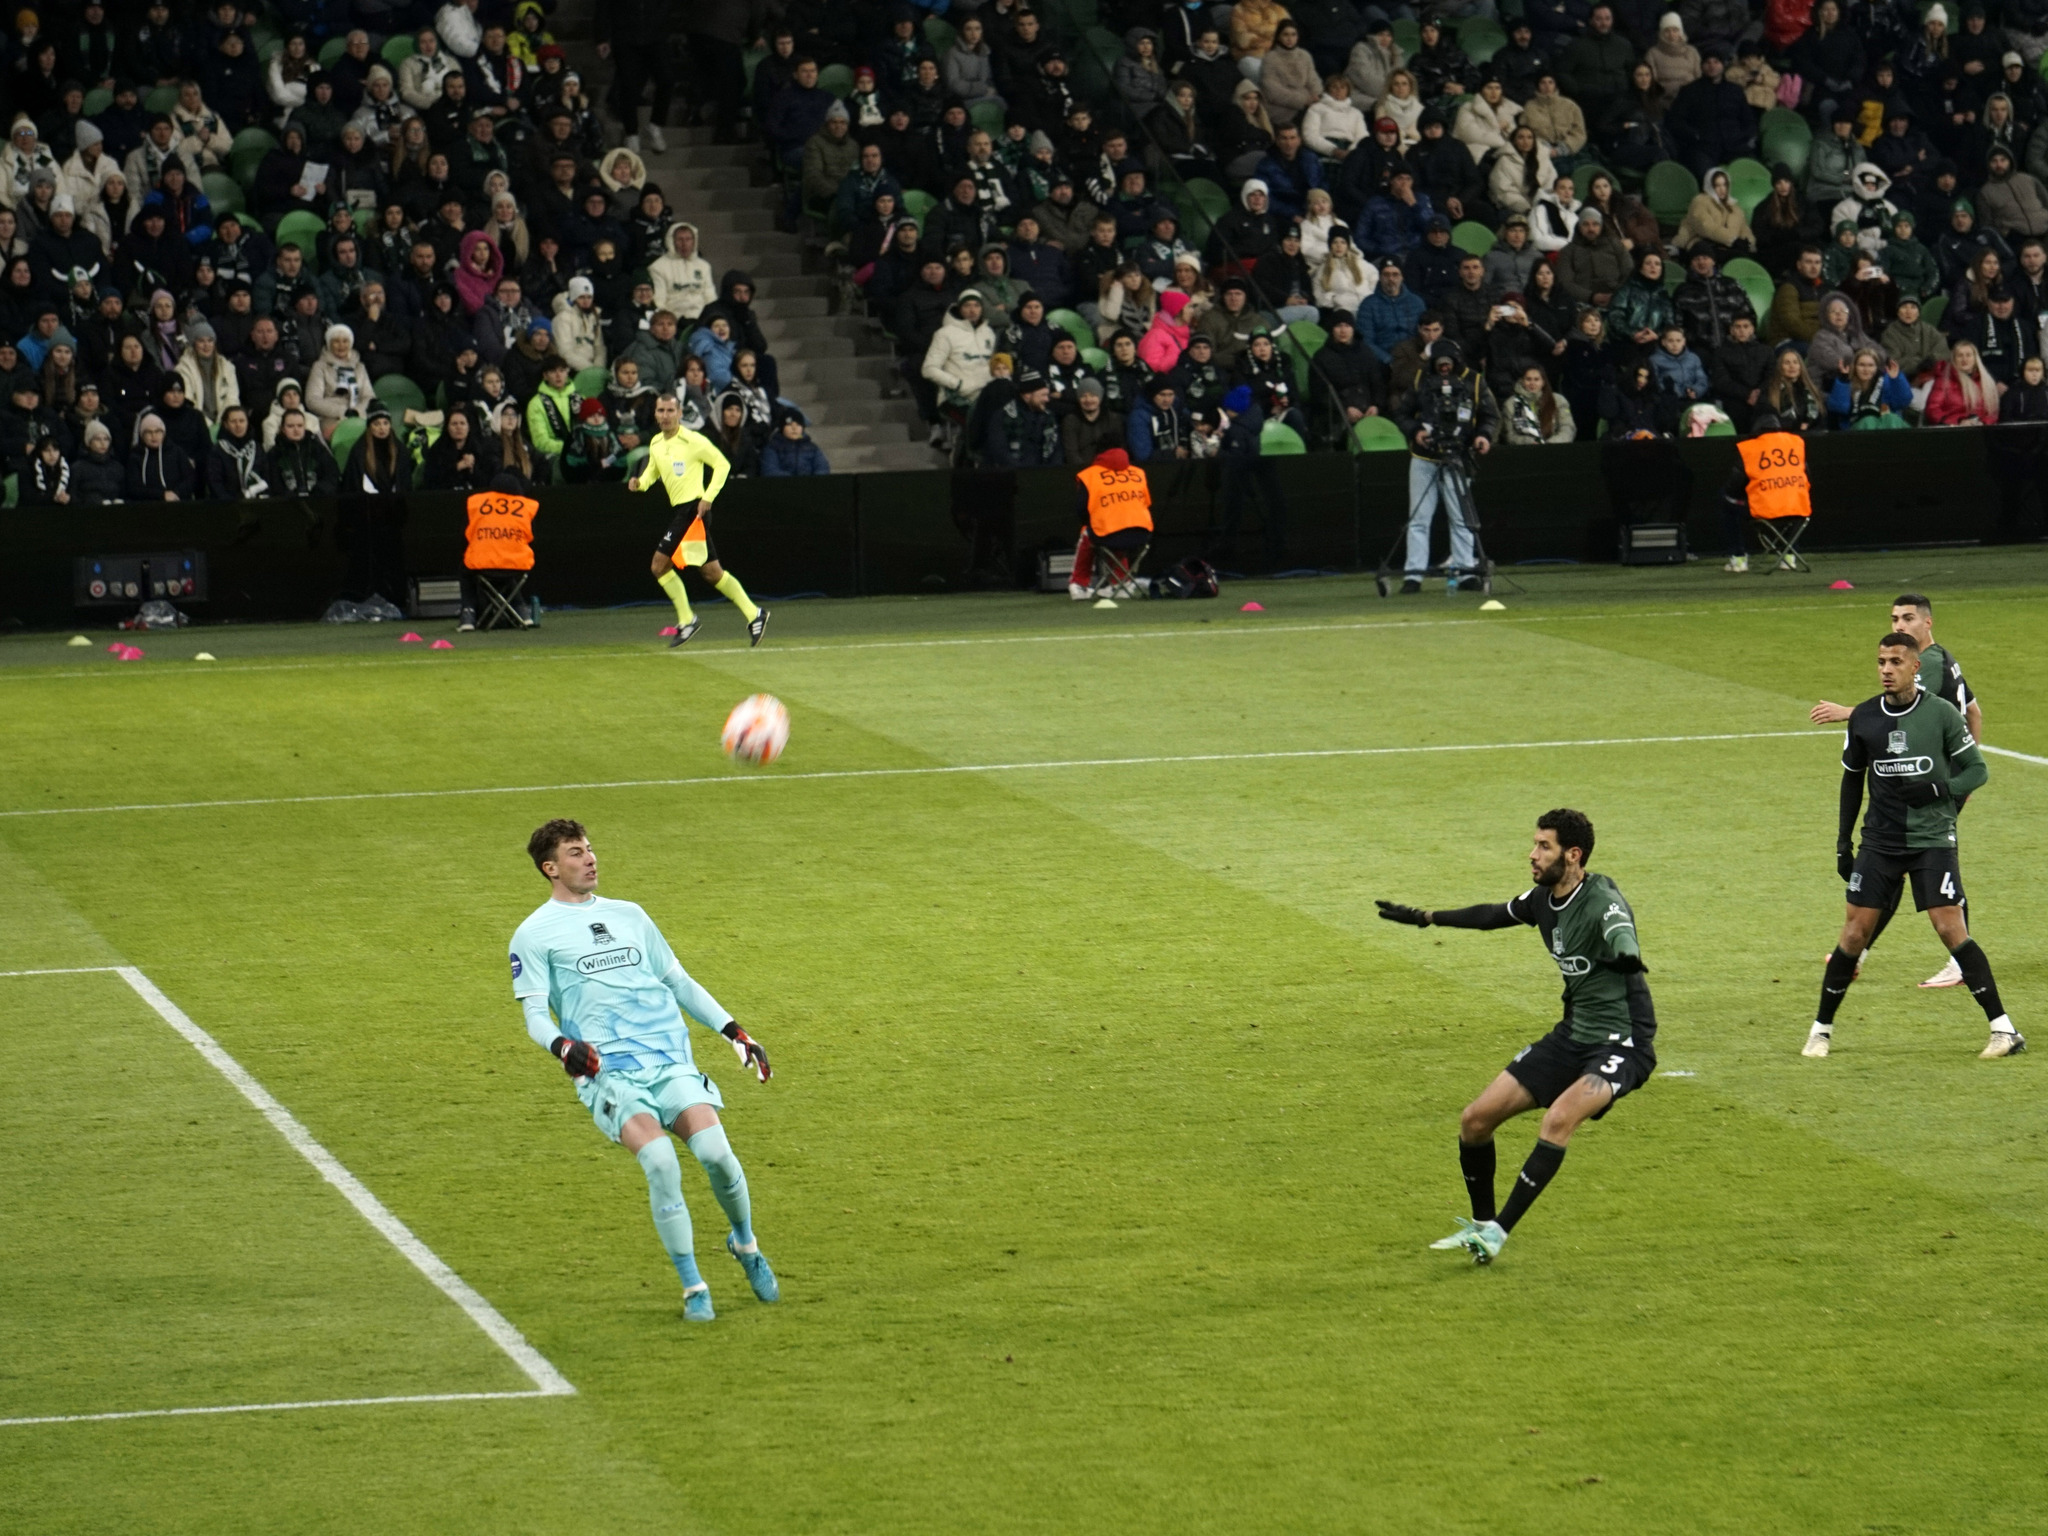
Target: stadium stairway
836 367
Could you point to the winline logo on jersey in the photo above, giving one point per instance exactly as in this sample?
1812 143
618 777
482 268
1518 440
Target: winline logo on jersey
1903 767
610 960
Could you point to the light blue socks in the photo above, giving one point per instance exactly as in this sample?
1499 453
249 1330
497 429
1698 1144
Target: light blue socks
671 1215
728 1182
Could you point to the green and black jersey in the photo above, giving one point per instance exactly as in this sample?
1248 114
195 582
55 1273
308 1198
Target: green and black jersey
1942 675
1921 762
1591 935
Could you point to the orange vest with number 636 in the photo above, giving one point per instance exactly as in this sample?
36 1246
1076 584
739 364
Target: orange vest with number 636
1117 499
1778 486
500 532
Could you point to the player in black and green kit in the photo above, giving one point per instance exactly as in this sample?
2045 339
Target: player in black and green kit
1941 674
1604 1047
1922 763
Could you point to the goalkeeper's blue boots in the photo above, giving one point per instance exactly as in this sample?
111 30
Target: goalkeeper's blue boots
697 1305
759 1275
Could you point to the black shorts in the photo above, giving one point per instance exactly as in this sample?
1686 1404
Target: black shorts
1937 875
1548 1066
673 539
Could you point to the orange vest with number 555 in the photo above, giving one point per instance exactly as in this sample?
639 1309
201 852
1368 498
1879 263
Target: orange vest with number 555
1778 486
500 532
1117 499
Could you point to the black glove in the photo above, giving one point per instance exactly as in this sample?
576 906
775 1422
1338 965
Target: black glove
1628 965
749 1050
1923 794
1394 912
578 1059
1845 862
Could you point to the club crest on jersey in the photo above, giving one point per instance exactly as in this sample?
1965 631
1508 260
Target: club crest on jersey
599 934
1556 942
1895 743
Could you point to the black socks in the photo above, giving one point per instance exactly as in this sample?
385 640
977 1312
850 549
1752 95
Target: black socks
1477 1165
1835 985
1977 977
1544 1161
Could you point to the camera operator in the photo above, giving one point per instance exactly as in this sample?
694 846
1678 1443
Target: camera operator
1449 416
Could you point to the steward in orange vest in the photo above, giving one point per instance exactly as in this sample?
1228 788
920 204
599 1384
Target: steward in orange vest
500 529
1116 514
1768 482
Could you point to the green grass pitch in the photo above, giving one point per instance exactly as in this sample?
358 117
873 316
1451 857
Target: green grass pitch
1108 1127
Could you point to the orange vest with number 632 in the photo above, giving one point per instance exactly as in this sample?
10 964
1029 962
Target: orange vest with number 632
1117 499
500 532
1778 486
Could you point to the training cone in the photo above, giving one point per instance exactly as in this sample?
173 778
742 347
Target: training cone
411 637
78 640
205 656
1253 608
117 647
1104 602
1841 586
131 653
442 645
667 630
1493 605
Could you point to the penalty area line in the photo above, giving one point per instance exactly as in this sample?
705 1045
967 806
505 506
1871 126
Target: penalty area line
327 1402
929 771
547 1381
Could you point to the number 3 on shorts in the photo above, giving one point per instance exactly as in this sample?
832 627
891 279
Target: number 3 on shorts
1610 1066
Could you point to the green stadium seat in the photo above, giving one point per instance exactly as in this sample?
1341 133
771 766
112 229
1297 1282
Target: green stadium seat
1934 309
1790 150
591 382
1072 323
331 50
1307 335
1784 120
269 49
249 222
222 191
1582 177
940 34
836 78
97 100
919 205
1473 239
1276 438
1407 35
1721 429
1376 434
750 61
1749 183
398 49
401 394
255 138
988 116
1210 198
1669 190
1755 282
1095 358
346 431
1481 37
302 229
160 98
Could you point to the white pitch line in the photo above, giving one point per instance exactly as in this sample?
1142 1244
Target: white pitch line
547 1381
331 1402
900 773
68 970
2025 757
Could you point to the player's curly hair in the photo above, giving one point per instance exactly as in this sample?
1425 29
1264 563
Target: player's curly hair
1573 830
550 835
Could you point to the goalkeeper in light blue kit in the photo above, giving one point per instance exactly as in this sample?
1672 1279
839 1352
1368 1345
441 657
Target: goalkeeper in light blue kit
605 995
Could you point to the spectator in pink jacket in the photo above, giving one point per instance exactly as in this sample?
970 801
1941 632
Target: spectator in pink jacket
1167 337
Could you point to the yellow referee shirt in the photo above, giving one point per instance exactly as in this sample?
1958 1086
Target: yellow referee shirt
688 464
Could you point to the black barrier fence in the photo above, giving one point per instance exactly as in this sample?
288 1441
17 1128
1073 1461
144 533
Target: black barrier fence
851 535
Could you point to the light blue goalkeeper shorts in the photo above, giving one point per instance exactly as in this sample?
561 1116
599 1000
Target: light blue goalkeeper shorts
613 1098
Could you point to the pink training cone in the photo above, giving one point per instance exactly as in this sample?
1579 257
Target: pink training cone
131 653
442 645
1253 608
667 630
117 647
1841 586
410 637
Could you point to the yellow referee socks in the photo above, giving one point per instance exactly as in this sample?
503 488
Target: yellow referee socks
671 582
729 586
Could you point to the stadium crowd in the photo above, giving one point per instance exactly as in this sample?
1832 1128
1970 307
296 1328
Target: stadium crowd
1631 221
283 254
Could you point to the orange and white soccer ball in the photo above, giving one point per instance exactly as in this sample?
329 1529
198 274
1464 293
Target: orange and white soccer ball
757 729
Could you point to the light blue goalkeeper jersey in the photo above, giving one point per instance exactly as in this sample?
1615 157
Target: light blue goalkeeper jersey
611 980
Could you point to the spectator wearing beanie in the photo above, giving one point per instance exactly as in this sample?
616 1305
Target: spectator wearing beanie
158 470
97 477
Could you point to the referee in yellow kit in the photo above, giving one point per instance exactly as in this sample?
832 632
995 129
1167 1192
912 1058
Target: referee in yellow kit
692 469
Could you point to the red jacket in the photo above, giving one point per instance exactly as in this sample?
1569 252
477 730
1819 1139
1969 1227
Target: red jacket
1946 406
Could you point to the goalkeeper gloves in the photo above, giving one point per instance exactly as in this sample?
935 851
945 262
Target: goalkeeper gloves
578 1059
748 1049
1845 862
1394 912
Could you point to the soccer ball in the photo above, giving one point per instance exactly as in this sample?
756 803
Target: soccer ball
757 729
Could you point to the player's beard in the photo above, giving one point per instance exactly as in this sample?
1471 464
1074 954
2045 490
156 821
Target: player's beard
1550 875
